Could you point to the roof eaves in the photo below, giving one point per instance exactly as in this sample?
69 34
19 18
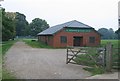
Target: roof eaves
44 34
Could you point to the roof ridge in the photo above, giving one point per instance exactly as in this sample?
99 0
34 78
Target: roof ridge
62 23
71 22
83 24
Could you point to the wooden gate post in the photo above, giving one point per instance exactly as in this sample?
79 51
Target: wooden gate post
109 57
67 56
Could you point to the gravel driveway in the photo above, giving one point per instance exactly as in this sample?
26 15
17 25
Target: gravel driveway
33 63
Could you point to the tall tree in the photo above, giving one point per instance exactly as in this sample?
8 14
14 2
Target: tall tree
21 24
37 25
8 27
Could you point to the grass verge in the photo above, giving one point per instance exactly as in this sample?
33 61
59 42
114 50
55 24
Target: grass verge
36 44
0 61
95 70
7 75
5 47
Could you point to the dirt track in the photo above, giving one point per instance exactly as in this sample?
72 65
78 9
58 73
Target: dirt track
33 63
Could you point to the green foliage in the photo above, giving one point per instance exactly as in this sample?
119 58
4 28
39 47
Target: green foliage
37 25
8 27
21 25
7 75
0 24
6 45
107 33
36 44
118 33
95 70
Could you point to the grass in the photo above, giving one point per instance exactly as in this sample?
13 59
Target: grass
7 75
95 70
36 44
114 42
4 48
0 62
6 45
86 60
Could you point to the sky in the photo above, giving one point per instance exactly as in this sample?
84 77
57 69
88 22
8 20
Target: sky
95 13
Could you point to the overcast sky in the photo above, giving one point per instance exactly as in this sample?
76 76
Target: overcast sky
96 13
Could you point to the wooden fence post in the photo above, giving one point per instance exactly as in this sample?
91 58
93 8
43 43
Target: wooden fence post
67 56
108 57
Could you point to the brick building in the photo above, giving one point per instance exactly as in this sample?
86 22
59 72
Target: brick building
73 33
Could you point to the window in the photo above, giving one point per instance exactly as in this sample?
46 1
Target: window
63 39
91 39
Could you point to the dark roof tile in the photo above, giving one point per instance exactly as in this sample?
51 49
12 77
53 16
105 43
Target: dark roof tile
54 29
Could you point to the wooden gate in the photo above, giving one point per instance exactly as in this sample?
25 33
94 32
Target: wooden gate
72 52
106 57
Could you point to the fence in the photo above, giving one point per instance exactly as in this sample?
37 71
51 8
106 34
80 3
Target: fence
116 58
72 53
99 56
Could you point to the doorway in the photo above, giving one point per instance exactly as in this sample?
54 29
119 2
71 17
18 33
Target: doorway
77 41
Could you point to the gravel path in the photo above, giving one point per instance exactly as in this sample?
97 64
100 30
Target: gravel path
33 63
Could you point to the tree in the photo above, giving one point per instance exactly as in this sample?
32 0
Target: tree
107 33
11 18
8 27
38 25
0 24
118 33
21 24
111 34
104 32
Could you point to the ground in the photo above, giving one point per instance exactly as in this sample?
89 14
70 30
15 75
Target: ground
113 75
0 61
37 63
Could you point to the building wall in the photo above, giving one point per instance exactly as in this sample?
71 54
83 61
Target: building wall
46 39
55 40
70 35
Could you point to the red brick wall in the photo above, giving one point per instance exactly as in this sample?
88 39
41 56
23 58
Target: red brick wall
55 39
70 35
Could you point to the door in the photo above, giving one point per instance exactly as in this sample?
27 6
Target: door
77 41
